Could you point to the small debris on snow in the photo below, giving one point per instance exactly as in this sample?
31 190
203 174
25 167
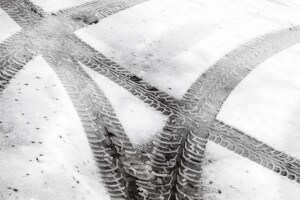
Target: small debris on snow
86 18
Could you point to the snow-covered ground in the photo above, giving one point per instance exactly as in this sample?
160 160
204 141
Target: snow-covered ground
169 43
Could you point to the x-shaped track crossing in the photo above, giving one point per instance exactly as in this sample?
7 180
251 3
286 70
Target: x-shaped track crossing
169 167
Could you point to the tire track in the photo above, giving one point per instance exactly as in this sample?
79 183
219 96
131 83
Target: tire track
100 9
207 88
23 12
163 151
255 150
14 55
166 154
189 185
149 94
111 175
176 157
206 96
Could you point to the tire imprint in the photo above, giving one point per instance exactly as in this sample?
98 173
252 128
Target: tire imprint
23 12
255 150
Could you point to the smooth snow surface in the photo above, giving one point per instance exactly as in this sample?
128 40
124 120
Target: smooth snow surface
229 176
8 26
266 105
139 121
50 6
44 150
171 42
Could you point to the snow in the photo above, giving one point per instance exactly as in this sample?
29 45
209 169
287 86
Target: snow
8 26
172 42
266 104
140 122
229 176
43 144
49 6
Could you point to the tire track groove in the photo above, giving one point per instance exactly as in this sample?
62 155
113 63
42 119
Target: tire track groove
14 55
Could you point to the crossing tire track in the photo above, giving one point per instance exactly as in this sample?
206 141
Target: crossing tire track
171 167
202 103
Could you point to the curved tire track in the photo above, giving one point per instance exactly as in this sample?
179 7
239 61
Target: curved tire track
206 96
119 164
